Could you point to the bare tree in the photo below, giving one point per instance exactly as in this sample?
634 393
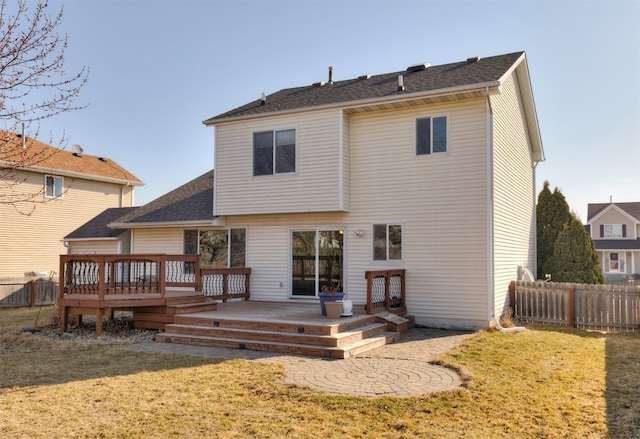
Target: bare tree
33 86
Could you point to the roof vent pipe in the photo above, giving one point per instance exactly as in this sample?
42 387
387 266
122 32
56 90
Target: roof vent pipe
263 99
24 140
330 75
400 83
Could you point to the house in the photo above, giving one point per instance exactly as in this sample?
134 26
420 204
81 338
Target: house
429 170
160 226
46 193
615 231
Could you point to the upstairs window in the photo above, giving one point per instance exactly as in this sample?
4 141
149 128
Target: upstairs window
53 186
613 231
274 152
387 242
431 135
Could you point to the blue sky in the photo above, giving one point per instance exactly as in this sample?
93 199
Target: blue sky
159 68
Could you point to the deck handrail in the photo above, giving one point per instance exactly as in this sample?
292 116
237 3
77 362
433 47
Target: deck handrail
385 289
226 283
112 274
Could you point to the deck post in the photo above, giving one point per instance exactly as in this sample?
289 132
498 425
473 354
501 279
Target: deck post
99 321
101 277
64 319
161 275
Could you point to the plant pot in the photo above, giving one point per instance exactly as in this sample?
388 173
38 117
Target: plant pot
329 297
334 309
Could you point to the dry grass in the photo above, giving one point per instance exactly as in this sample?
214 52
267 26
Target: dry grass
542 383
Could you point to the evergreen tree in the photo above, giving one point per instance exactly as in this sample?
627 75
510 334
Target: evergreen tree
574 256
552 214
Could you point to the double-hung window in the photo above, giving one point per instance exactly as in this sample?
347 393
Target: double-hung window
274 152
431 135
613 231
387 242
53 186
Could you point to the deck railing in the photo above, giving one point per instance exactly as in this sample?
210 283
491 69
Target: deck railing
385 290
227 283
143 274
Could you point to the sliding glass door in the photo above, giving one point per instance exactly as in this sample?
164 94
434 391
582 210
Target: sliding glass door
316 261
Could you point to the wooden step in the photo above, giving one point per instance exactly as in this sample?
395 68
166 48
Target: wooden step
193 307
342 352
332 340
340 325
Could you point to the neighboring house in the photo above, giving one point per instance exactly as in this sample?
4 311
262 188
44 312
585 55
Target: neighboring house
430 170
46 193
615 231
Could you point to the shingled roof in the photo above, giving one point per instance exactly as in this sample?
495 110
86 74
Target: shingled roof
472 72
96 228
191 203
632 208
36 156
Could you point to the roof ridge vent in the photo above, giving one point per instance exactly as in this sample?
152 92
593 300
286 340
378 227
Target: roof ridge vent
319 84
473 59
367 76
418 67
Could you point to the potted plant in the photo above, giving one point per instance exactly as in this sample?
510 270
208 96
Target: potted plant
329 293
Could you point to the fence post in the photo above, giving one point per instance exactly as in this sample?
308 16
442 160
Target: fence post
571 308
32 295
512 297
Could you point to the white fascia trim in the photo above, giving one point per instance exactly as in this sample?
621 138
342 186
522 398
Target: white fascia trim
215 222
63 173
526 94
401 97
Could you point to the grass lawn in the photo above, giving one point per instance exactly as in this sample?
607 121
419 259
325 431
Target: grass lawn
541 383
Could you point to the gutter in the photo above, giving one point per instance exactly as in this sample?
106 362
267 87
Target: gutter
64 173
217 221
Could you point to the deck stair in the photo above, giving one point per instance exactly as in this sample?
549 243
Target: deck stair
280 328
157 317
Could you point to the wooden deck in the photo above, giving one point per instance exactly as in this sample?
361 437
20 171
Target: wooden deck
191 304
287 327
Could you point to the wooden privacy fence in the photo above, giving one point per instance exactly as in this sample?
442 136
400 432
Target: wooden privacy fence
585 306
36 291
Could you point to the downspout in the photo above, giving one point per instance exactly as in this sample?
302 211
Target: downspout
490 226
490 214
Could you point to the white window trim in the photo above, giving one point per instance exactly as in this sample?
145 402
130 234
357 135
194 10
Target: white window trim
447 116
387 261
55 178
273 169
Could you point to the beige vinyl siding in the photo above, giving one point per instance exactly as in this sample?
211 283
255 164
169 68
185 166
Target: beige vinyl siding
32 241
440 199
314 187
514 193
612 216
94 247
158 241
268 250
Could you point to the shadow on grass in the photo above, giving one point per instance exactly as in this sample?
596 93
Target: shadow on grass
623 385
622 379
